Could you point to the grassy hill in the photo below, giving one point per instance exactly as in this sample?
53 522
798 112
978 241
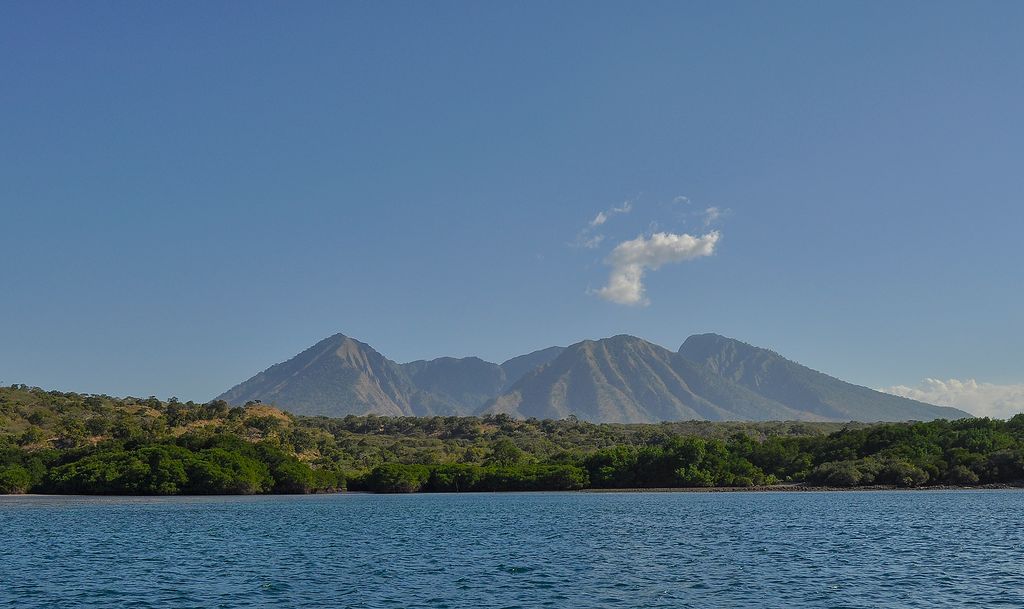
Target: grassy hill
80 443
36 419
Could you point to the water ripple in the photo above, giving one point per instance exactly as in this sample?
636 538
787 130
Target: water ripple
851 549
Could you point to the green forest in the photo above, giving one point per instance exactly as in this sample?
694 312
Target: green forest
70 443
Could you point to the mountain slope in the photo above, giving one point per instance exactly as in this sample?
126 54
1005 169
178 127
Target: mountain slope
450 386
337 376
625 379
777 378
622 379
517 367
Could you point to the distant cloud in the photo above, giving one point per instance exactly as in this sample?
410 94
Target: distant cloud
711 214
602 216
587 238
708 215
630 261
980 399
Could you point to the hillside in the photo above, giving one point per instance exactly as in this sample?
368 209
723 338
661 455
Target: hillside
336 371
450 386
54 442
625 379
622 379
340 376
777 378
517 367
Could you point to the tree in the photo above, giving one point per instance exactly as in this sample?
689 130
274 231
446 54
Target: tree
398 478
959 474
32 435
220 471
454 478
901 473
505 453
836 473
14 479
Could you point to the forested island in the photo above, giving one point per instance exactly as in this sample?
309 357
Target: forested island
70 443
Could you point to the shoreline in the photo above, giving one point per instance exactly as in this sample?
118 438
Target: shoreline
777 488
800 488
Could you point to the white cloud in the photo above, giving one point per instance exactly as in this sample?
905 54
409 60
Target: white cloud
630 261
711 214
625 208
602 216
589 242
586 238
599 219
681 199
980 399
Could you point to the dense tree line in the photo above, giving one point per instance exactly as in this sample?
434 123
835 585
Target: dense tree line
71 443
215 465
461 477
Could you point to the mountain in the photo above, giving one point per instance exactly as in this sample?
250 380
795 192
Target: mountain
447 385
517 367
625 379
622 379
777 378
339 376
336 372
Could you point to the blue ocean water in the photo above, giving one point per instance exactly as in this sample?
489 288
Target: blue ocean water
842 549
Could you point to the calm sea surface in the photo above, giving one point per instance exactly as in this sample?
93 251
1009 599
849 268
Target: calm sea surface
846 549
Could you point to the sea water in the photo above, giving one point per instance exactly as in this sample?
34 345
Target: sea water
785 549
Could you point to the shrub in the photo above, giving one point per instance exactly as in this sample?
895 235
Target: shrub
14 479
959 474
901 473
836 473
397 478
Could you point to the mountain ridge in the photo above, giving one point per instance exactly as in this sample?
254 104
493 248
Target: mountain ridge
772 375
620 379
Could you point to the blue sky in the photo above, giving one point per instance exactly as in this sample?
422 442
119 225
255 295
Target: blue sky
192 192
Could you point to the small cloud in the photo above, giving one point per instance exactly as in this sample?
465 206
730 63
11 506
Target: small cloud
586 237
979 399
630 261
599 219
603 216
714 214
589 242
681 200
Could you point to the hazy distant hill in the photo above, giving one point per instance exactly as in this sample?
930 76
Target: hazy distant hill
800 387
625 379
340 376
620 379
337 376
451 386
517 367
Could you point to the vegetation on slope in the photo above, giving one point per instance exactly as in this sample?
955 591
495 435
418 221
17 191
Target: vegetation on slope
93 444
